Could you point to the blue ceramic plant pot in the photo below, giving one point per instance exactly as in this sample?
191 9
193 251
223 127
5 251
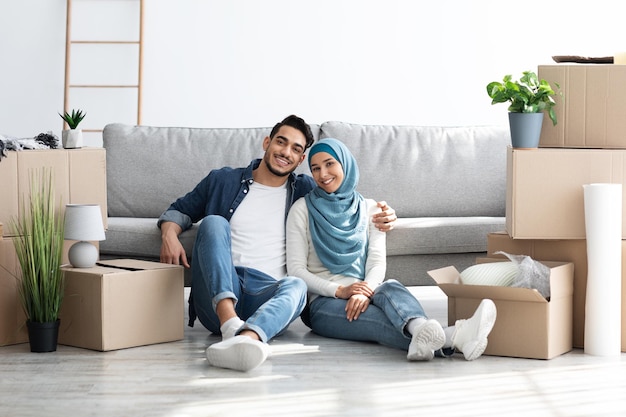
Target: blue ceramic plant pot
525 129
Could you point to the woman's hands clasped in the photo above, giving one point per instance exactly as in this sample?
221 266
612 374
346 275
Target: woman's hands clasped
358 296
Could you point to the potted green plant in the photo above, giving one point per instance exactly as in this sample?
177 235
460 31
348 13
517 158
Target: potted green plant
529 99
72 137
38 239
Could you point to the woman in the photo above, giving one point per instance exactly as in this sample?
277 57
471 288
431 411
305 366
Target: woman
332 246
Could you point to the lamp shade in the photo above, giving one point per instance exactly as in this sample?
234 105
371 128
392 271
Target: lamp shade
83 222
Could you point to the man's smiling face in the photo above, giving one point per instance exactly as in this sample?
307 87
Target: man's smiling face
285 151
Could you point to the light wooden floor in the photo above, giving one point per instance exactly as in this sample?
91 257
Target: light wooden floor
307 376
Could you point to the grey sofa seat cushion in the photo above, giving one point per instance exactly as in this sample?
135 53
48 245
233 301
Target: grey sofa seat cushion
413 269
132 236
429 171
438 235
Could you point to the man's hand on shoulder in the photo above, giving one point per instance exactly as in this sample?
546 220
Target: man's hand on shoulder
386 219
172 251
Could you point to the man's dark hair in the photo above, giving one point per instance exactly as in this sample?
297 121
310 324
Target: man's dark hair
297 123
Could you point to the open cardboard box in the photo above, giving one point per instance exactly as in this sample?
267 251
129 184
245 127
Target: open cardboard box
122 303
528 325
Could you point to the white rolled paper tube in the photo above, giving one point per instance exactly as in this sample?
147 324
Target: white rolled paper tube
603 226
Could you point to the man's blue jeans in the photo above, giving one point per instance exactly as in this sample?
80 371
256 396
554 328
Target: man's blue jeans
266 305
390 310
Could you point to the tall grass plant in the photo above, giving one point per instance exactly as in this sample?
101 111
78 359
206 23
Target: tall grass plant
39 232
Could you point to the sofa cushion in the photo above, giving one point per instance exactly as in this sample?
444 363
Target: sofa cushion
132 236
413 269
128 236
431 235
150 167
429 171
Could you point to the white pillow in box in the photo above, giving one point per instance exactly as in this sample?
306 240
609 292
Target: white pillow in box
493 273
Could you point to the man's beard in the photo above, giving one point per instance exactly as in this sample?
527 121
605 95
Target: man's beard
273 170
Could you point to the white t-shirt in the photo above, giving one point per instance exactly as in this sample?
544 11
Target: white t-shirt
258 230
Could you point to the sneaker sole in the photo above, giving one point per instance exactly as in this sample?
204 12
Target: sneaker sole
238 356
475 351
429 338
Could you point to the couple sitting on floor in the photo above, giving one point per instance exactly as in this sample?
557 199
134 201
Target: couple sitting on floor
260 249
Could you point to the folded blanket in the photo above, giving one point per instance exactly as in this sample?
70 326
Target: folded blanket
41 141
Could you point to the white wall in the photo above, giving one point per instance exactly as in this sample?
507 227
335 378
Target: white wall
32 62
217 63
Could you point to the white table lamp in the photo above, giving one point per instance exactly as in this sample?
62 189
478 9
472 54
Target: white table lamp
83 222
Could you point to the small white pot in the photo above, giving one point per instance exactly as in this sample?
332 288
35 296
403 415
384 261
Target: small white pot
72 138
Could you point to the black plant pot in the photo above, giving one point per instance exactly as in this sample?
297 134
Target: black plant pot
43 337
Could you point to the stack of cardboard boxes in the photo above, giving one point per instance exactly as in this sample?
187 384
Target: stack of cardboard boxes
114 305
545 216
545 205
79 177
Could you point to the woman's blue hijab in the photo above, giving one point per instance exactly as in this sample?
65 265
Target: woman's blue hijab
338 221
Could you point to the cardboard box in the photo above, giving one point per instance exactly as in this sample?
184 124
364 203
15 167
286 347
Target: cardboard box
79 178
544 196
12 318
574 251
528 325
122 303
592 111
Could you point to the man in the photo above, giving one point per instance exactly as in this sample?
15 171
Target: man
239 287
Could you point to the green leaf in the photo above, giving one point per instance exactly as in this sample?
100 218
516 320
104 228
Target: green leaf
74 118
526 95
39 232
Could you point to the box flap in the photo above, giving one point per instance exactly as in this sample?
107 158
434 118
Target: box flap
560 287
134 264
447 275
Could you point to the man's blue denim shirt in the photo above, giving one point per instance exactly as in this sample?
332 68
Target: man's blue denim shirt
222 191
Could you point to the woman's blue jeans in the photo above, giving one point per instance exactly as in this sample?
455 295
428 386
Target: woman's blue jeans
384 321
266 304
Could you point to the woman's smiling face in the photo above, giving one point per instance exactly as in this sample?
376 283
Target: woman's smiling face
327 172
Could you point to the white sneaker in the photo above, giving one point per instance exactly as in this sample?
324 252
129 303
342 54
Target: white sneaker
470 335
428 338
240 353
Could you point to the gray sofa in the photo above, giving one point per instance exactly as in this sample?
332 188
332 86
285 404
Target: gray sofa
447 185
